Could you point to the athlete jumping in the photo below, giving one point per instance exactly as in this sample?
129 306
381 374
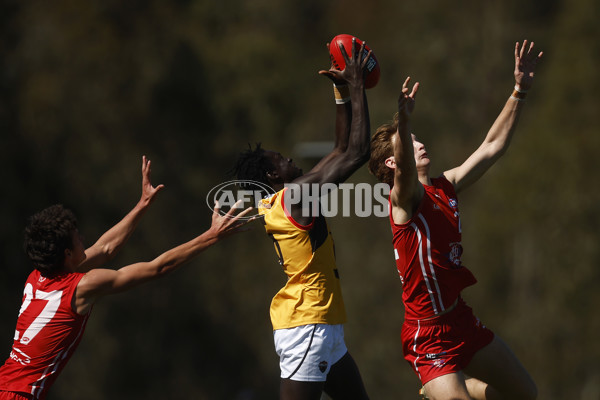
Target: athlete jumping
441 338
67 281
308 312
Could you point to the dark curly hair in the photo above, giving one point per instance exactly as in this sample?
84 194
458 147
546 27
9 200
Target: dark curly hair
253 165
47 235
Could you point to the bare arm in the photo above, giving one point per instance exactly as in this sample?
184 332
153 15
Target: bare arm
112 240
101 282
343 118
343 115
500 134
407 191
352 144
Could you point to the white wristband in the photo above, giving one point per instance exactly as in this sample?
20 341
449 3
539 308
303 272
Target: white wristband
518 89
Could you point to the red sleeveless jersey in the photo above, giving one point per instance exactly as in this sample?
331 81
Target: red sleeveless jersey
428 253
48 332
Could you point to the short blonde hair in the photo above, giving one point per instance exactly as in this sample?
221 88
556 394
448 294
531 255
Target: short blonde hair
382 147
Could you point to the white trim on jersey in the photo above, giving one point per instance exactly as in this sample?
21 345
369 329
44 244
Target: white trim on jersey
429 264
425 278
415 347
38 386
430 261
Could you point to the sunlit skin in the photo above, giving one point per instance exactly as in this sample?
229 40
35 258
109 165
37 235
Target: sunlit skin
421 157
494 371
351 151
422 160
285 170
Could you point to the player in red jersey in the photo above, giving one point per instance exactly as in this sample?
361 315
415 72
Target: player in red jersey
68 280
442 339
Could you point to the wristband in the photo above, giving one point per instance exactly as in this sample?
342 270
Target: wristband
518 89
341 94
518 94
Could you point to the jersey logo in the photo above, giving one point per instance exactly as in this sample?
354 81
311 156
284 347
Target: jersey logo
455 253
21 358
323 366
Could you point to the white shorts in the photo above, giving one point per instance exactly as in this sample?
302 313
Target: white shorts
307 352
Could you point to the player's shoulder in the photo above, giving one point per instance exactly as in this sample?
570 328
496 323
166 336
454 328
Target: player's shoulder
442 182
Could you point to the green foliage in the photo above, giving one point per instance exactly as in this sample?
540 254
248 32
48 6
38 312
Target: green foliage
86 88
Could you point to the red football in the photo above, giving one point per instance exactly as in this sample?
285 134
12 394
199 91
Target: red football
338 62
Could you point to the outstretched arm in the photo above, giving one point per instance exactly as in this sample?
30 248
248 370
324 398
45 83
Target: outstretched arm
101 282
343 118
112 240
500 134
352 143
407 191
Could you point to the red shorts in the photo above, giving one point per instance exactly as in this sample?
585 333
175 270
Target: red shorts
445 344
5 395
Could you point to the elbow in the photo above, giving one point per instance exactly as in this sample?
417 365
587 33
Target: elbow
163 270
354 162
361 156
163 265
364 158
502 151
109 251
105 251
498 148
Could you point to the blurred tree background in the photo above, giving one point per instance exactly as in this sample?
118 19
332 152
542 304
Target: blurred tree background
87 88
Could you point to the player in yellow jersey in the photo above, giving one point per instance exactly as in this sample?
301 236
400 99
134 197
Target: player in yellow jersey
308 312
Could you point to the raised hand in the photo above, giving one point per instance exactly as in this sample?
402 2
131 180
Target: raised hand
227 224
406 100
148 191
525 63
331 75
354 73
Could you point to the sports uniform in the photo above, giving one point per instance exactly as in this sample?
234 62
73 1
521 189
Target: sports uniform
47 333
440 333
311 295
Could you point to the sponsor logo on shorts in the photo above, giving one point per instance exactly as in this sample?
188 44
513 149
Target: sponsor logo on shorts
438 359
434 356
323 366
